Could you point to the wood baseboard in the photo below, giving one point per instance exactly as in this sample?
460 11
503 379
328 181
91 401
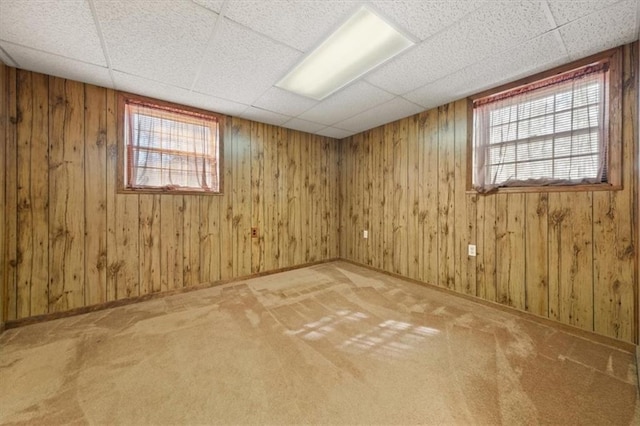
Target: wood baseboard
585 334
123 302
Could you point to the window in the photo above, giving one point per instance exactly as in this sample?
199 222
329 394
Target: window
168 148
548 131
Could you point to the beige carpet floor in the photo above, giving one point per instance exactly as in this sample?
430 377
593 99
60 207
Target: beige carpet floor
329 344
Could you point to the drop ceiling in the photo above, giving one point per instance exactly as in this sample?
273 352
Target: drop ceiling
227 55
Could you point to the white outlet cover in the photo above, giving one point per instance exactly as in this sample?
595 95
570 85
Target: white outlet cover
472 250
365 234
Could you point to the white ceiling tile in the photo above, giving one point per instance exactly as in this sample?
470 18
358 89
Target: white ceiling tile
493 28
301 25
601 30
395 109
539 54
564 11
424 18
242 64
303 125
215 5
332 132
284 102
59 66
159 40
60 27
212 103
181 51
153 89
351 100
264 116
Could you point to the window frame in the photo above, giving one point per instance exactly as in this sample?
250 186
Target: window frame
613 132
122 158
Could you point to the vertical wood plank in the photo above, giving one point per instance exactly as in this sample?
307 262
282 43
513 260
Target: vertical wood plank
322 196
294 255
486 248
335 177
464 206
66 195
429 196
210 239
271 180
258 196
355 194
191 242
241 199
306 173
446 196
33 194
172 241
389 190
510 246
367 189
316 163
149 243
342 197
376 234
11 194
283 202
123 268
571 258
413 199
95 159
536 253
23 183
400 207
111 189
471 237
226 207
4 119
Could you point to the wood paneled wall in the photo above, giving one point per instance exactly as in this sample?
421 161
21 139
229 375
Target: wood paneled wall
70 240
568 256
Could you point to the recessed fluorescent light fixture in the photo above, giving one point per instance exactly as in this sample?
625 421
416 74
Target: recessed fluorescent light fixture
359 45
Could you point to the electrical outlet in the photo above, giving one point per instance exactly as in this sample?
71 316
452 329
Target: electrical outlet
365 234
472 249
254 233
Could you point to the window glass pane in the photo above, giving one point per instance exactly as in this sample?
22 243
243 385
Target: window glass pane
551 132
171 149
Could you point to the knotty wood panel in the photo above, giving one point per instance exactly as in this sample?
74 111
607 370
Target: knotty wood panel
96 193
241 197
69 239
536 260
11 197
413 198
446 196
3 206
428 195
66 195
257 194
571 258
33 194
568 256
510 249
400 207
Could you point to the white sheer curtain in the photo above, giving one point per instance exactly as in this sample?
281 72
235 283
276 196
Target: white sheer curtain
547 133
170 150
